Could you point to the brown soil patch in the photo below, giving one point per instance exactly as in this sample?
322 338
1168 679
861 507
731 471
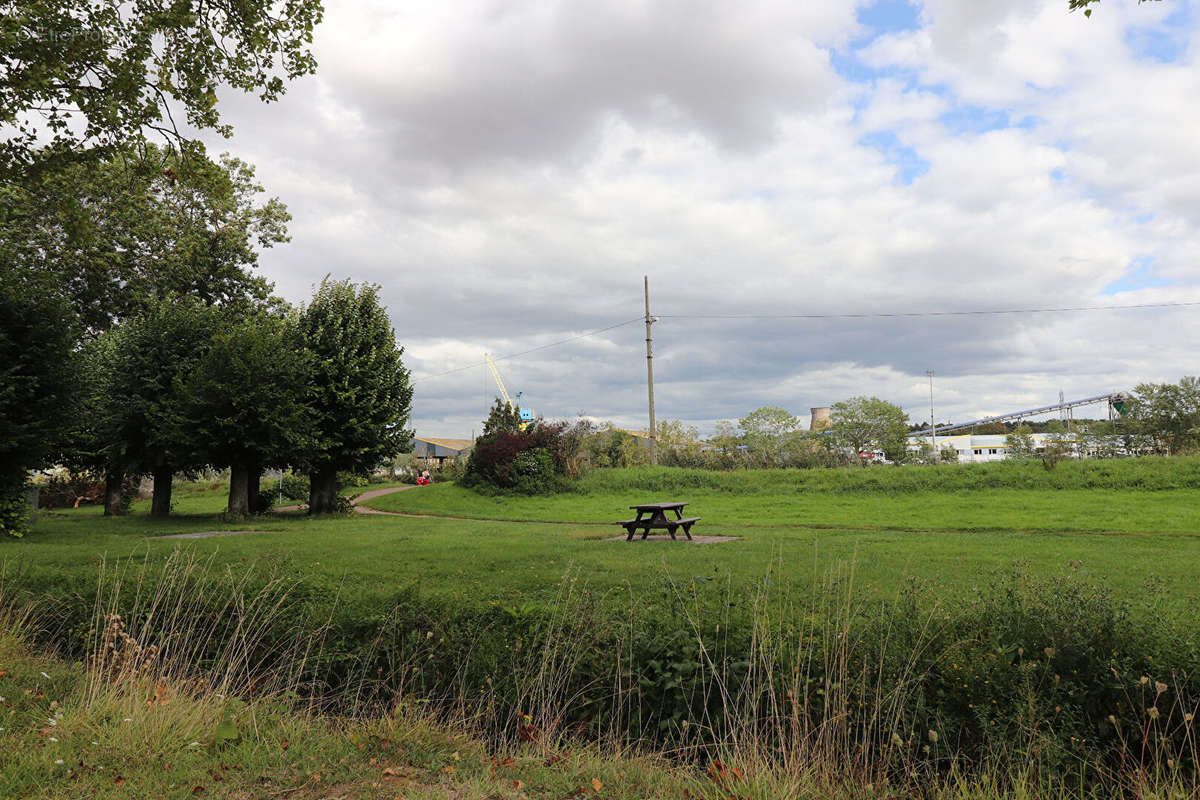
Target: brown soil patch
662 537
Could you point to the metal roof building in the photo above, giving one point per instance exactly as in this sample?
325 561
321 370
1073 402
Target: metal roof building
432 450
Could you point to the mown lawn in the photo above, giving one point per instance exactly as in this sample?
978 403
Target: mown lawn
1138 543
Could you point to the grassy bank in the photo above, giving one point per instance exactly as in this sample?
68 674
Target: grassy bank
74 731
1019 648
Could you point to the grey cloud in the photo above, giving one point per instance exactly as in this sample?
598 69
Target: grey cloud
538 81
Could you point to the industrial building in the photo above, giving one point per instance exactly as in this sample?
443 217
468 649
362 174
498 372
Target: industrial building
975 448
434 452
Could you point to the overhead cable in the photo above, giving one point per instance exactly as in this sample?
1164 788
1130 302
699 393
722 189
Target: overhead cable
883 314
858 315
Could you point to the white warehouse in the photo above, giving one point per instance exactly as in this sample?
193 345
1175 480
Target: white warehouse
975 447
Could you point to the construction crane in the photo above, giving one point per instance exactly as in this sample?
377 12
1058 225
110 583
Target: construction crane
526 414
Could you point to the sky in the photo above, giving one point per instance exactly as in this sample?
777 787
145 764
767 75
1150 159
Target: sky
508 172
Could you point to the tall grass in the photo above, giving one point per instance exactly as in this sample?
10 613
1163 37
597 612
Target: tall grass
1145 474
1030 687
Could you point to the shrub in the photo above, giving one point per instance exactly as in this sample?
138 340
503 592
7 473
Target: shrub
70 490
295 487
537 460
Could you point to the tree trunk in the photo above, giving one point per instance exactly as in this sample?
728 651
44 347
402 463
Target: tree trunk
239 484
253 487
322 490
113 483
160 506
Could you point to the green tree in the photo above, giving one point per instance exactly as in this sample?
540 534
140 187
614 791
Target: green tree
37 378
247 406
1020 443
88 75
502 417
143 224
769 433
863 422
1169 413
144 421
90 449
359 389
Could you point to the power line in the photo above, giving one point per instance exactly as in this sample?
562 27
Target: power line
884 314
532 349
867 315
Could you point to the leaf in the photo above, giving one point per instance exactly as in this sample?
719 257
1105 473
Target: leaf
596 784
518 784
226 730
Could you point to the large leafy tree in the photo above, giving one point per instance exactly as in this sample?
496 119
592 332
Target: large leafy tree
359 389
247 402
144 420
146 223
37 378
862 422
1168 414
77 78
770 433
90 450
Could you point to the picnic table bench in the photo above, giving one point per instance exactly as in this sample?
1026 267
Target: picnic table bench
654 516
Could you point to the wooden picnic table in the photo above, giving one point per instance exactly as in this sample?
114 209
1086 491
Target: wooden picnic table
654 515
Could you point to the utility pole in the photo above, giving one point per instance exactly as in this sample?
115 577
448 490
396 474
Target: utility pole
932 423
650 372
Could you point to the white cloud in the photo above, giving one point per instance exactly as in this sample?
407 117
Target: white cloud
509 172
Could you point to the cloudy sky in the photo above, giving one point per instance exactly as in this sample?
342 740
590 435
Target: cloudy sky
508 171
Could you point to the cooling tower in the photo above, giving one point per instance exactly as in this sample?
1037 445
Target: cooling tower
820 418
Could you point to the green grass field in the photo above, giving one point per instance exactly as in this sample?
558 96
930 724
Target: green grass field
523 546
1059 593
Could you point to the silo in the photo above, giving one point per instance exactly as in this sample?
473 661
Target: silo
820 418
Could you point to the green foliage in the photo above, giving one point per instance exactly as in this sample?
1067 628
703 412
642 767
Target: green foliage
38 387
145 420
295 486
14 505
94 74
1055 674
67 489
1020 443
862 423
359 391
1167 414
117 235
38 372
1148 474
607 446
246 399
502 418
770 432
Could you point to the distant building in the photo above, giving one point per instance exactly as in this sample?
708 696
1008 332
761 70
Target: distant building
434 452
974 447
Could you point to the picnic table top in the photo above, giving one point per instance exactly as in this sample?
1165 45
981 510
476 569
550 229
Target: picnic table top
658 506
